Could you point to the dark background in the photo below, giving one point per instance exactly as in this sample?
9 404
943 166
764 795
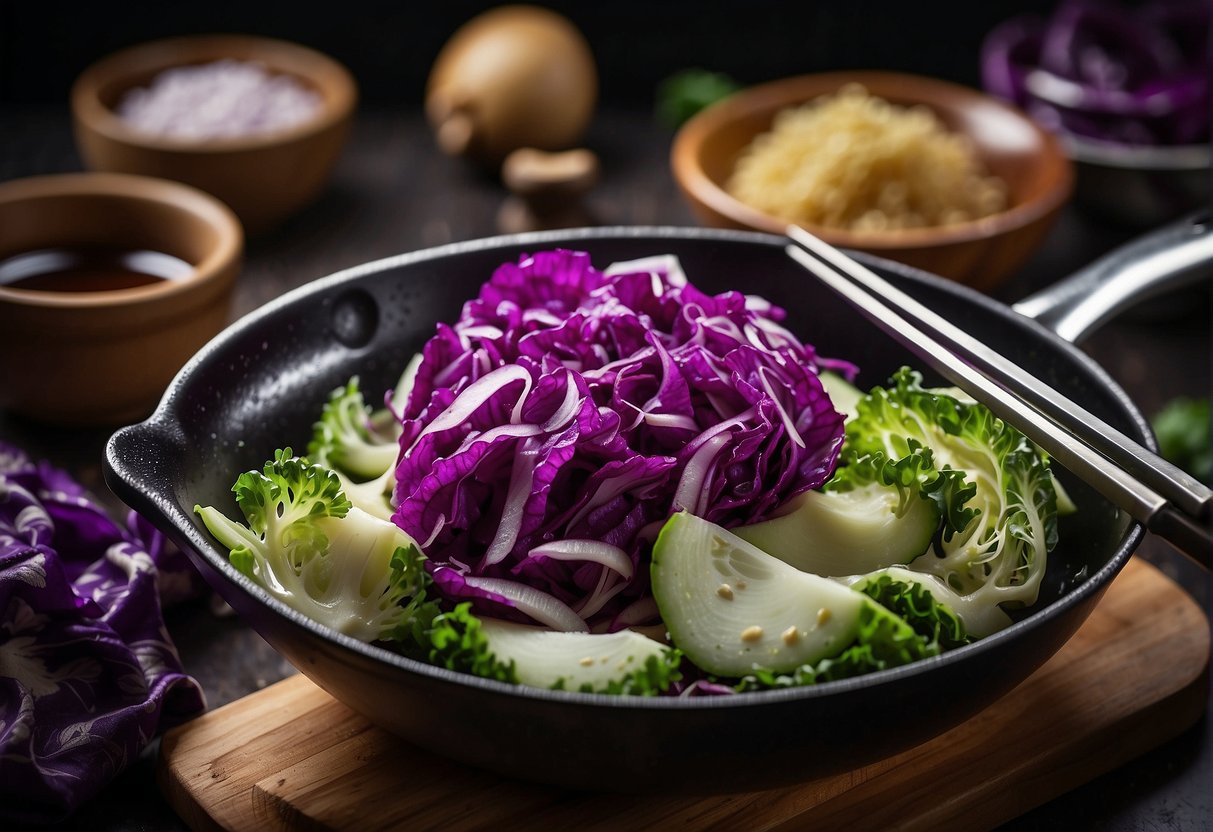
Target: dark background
390 47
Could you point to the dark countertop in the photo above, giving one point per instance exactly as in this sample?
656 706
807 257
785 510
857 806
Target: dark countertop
392 192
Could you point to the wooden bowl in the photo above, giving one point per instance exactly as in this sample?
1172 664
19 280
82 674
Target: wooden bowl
105 357
263 178
981 253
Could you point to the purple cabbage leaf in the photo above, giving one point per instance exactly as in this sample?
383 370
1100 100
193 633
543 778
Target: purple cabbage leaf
555 426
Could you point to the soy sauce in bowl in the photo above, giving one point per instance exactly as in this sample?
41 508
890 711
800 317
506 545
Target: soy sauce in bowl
89 269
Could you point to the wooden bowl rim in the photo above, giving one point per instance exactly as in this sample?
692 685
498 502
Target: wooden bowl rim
339 92
214 269
774 95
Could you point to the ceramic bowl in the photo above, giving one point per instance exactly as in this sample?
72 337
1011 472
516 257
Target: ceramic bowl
105 357
1140 187
263 178
1032 163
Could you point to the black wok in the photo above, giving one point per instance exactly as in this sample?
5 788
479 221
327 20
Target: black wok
259 386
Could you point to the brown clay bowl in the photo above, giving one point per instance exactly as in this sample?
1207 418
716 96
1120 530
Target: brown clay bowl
105 357
263 178
1032 163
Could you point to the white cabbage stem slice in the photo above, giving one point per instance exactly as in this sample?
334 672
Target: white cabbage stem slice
733 608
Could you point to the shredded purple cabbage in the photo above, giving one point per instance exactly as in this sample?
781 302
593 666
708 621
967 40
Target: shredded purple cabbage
88 673
571 404
1104 71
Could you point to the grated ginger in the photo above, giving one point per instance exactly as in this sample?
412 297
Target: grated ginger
854 161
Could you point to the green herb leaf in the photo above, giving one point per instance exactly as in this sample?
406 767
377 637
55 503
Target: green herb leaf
685 93
1183 428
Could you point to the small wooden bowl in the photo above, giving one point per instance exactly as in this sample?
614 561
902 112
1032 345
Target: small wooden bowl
1032 163
106 357
263 178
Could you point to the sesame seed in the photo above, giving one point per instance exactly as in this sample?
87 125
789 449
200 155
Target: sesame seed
586 662
741 584
823 615
752 633
790 636
725 591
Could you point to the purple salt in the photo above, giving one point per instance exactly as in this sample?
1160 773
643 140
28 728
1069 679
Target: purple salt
226 99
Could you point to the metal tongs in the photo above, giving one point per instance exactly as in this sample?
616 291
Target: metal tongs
1162 497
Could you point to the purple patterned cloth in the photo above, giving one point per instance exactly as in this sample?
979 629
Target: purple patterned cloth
88 673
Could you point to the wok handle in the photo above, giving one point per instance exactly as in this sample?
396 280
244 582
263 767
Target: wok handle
1171 257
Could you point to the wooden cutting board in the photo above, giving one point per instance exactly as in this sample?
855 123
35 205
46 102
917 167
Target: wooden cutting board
1135 675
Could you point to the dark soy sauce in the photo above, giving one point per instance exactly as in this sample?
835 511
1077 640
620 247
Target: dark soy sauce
89 269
